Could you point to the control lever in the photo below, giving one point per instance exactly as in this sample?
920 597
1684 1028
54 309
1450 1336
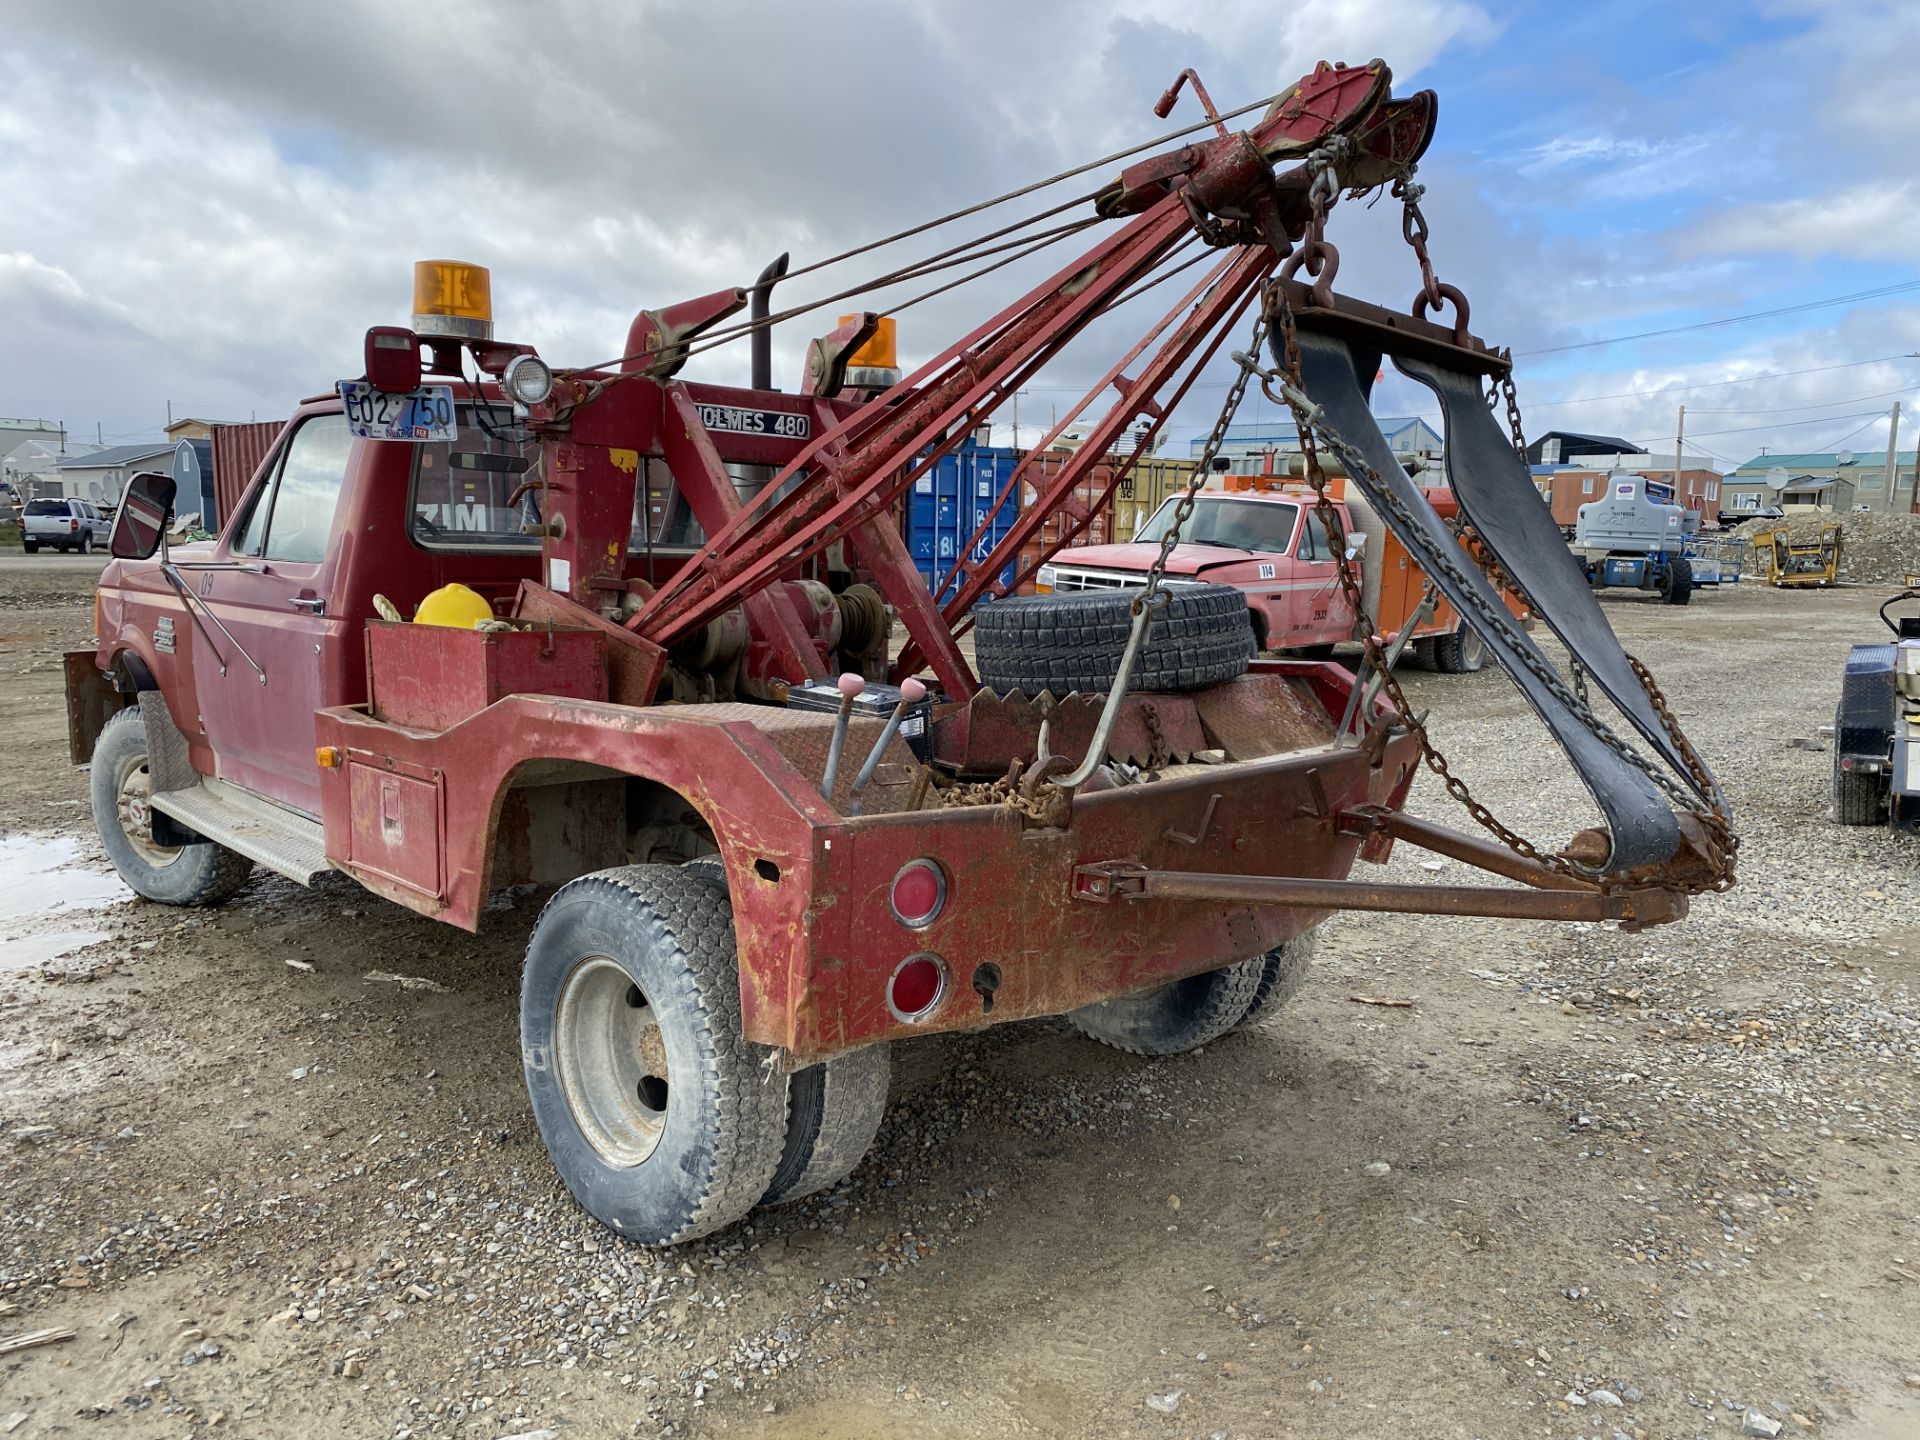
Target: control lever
912 692
850 688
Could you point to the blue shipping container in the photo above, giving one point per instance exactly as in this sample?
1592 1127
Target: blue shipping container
951 501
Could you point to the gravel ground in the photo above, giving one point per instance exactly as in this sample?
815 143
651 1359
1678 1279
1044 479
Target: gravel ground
273 1163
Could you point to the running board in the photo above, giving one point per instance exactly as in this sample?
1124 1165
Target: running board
283 840
1642 827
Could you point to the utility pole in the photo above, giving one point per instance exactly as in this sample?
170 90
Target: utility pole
1679 437
1893 436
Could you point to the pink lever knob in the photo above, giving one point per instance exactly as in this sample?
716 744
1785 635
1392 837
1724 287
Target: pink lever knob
911 691
851 685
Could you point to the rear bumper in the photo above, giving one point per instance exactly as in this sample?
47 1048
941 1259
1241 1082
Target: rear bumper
1018 937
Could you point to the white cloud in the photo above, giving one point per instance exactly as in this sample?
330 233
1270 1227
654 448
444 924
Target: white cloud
1869 221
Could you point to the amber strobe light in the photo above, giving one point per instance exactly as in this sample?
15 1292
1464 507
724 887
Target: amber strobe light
452 297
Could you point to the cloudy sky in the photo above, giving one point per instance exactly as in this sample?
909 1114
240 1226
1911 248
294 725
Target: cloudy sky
204 205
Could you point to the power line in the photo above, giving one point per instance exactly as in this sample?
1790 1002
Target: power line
1716 384
1857 297
1811 405
1788 424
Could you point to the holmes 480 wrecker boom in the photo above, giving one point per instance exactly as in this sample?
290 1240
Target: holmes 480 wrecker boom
767 874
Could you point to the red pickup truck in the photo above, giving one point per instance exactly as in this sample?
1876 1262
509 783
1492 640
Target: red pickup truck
1268 544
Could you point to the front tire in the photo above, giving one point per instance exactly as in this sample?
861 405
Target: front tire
120 788
1176 1017
664 1121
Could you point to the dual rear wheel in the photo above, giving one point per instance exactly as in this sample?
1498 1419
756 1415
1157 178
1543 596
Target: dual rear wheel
663 1120
666 1123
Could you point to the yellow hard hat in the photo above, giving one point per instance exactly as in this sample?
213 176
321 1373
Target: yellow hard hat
453 605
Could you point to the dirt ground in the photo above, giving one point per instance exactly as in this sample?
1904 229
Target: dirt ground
273 1164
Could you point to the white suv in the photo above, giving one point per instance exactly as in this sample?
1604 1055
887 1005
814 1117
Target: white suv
64 524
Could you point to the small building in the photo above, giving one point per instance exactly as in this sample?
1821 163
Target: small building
102 476
31 469
1811 492
1567 487
1561 447
1862 480
1246 446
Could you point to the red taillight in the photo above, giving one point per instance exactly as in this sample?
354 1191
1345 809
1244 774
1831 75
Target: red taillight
919 983
73 524
918 894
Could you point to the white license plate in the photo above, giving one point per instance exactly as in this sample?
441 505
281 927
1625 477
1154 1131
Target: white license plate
423 414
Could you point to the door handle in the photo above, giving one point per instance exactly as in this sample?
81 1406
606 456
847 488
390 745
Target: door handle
312 604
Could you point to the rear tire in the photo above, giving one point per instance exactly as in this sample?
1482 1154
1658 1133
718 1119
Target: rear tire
1856 797
1283 972
1203 635
834 1108
32 547
664 1121
1676 587
1461 653
1178 1016
86 543
121 790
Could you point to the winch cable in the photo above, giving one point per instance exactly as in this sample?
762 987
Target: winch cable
1022 248
747 327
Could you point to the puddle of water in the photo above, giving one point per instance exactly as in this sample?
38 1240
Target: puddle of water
41 878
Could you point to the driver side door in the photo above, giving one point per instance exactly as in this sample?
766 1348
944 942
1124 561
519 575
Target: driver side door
260 688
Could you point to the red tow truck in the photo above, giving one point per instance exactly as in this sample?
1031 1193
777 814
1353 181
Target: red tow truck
784 838
1266 540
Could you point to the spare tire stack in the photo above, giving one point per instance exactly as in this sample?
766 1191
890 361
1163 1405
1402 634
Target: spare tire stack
1200 636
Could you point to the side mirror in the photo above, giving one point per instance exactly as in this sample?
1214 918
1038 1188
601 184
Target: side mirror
393 359
141 522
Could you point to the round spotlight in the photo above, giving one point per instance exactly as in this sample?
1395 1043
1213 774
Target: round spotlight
528 379
918 986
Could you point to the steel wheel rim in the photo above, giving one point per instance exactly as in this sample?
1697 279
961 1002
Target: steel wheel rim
133 805
1473 650
612 1062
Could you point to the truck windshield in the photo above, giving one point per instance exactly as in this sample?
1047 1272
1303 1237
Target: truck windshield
1265 525
482 492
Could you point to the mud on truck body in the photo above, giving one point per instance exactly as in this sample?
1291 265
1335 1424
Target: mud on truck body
767 874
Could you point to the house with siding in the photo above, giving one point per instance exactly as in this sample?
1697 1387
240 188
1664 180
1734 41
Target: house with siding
1792 481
